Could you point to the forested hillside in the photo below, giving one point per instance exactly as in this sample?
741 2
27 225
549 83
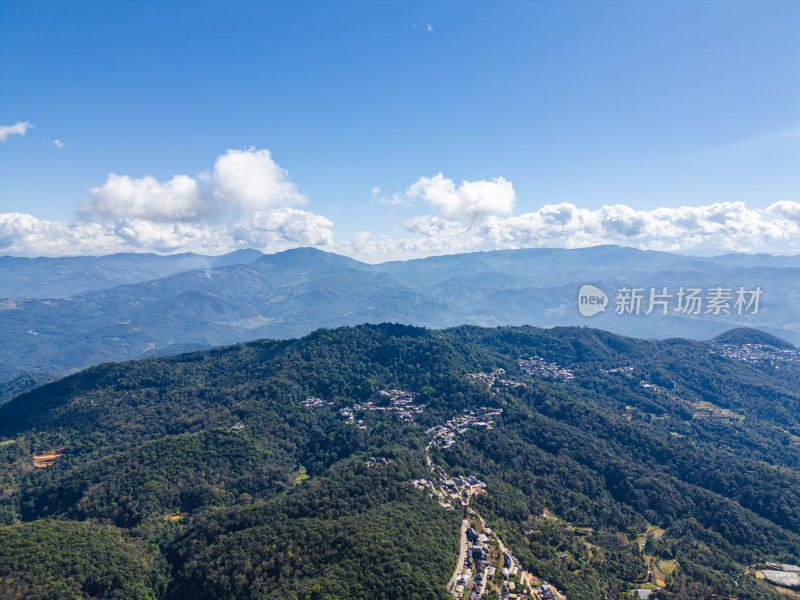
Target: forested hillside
609 464
133 307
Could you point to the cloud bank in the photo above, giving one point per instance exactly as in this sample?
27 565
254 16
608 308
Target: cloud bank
248 200
478 215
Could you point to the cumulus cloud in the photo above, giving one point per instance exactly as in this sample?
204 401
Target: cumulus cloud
478 215
723 226
470 202
366 246
718 227
247 200
428 226
124 197
25 234
265 228
58 144
786 210
170 237
250 180
271 230
241 183
19 128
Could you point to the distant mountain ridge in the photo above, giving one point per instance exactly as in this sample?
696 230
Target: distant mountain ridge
248 295
61 277
743 335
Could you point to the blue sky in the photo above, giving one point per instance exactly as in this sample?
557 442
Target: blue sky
666 125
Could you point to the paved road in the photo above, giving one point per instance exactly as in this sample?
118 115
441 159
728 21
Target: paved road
461 556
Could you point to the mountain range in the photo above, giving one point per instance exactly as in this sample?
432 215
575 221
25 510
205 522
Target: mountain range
63 314
344 464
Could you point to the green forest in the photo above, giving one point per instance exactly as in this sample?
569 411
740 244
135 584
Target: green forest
655 460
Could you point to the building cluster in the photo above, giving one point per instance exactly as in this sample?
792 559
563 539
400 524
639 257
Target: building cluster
237 427
545 592
427 485
621 370
496 378
759 353
461 489
401 404
444 435
311 402
478 572
378 460
451 490
478 555
540 367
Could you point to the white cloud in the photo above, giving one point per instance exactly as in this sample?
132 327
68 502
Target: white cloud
428 27
478 215
269 230
123 197
470 202
169 237
19 128
786 209
719 227
241 183
394 200
428 226
246 200
266 228
24 234
58 144
250 180
365 246
725 226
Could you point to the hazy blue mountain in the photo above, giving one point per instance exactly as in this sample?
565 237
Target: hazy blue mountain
540 265
246 295
284 295
60 277
757 260
540 286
